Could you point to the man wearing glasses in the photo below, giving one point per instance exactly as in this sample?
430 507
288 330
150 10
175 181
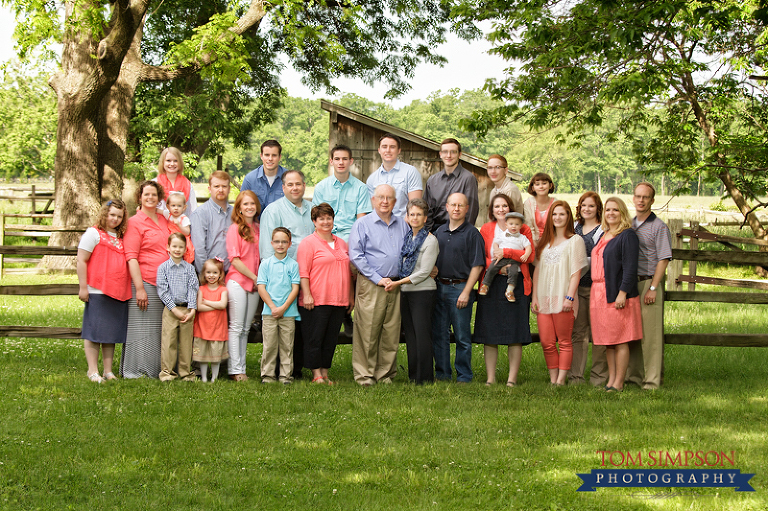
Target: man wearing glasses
452 179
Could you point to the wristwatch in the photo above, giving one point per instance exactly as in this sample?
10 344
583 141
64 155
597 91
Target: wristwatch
652 288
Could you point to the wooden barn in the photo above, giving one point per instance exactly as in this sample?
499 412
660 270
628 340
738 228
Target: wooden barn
361 133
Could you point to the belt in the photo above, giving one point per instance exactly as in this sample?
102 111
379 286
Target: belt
182 304
641 278
450 282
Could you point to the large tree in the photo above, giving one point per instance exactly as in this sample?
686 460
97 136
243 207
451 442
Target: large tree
677 71
103 63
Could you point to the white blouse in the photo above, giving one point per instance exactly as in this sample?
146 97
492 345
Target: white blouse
555 267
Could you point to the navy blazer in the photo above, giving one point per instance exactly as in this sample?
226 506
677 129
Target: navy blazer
620 265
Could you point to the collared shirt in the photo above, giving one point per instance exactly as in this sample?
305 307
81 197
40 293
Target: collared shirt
177 284
655 243
257 182
284 213
348 199
374 246
403 178
209 233
460 250
440 186
279 276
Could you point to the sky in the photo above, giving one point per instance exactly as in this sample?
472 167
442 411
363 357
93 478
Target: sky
469 64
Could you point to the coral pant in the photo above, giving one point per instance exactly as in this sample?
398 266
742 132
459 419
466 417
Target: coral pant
556 328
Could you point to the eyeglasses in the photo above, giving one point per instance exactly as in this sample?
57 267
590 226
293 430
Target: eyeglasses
496 167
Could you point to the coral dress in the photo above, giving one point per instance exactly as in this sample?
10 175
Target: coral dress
611 326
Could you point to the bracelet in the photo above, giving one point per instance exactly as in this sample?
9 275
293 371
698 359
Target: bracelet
569 298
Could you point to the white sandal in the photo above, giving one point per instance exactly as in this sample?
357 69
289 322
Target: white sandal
109 376
96 378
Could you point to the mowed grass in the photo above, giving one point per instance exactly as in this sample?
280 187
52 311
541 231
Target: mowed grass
66 443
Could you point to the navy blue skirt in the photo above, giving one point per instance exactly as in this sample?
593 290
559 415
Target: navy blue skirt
500 322
105 320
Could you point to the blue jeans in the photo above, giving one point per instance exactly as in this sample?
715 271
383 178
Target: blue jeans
446 315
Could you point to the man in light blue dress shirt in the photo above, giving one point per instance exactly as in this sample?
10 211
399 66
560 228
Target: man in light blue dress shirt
374 248
291 212
404 178
347 195
266 180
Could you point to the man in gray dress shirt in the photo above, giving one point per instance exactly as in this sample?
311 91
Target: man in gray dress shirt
210 222
452 179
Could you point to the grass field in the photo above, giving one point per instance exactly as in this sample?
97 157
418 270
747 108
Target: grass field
66 443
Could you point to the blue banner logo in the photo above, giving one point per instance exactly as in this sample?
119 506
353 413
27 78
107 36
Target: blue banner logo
607 478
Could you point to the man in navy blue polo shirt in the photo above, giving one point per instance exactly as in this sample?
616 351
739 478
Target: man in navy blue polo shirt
459 265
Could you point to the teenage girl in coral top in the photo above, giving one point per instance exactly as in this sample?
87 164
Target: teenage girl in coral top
170 174
105 287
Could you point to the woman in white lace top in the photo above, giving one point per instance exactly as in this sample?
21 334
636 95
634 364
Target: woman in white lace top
561 256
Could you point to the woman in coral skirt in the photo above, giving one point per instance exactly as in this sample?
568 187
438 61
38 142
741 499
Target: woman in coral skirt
615 302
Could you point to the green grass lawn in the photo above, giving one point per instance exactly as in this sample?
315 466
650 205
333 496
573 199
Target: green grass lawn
66 443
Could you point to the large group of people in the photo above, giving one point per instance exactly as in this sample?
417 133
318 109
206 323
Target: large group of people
180 285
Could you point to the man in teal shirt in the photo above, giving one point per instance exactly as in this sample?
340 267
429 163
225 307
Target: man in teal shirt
347 195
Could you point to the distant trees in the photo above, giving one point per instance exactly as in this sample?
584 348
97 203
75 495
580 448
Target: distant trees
27 123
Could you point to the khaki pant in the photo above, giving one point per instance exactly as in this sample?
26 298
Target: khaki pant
646 358
582 338
277 337
376 335
176 346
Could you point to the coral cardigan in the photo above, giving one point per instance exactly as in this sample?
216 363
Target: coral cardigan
487 232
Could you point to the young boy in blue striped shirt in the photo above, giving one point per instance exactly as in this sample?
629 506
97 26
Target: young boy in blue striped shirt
177 285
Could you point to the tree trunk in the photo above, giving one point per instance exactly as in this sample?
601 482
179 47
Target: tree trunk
86 150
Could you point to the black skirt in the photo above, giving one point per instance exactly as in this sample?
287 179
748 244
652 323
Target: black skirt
500 322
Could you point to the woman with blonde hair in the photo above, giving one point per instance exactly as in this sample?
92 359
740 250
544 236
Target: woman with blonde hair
170 174
242 290
615 302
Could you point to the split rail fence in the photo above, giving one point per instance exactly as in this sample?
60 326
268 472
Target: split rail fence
693 236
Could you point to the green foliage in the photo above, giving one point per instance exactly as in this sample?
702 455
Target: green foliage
674 71
27 123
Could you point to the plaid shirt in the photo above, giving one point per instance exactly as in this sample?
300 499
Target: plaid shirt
177 284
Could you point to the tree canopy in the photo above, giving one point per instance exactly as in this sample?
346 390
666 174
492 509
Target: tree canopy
215 49
675 72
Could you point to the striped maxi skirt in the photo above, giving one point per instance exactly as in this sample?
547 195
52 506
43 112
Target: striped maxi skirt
141 352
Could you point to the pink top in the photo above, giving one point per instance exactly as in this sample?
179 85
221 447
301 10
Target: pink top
248 253
107 269
211 325
326 268
147 242
541 215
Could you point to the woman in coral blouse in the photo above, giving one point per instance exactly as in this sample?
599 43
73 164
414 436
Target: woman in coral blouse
326 292
243 296
146 242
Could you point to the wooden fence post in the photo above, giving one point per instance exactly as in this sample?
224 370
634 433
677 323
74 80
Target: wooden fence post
694 245
675 267
34 205
2 242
